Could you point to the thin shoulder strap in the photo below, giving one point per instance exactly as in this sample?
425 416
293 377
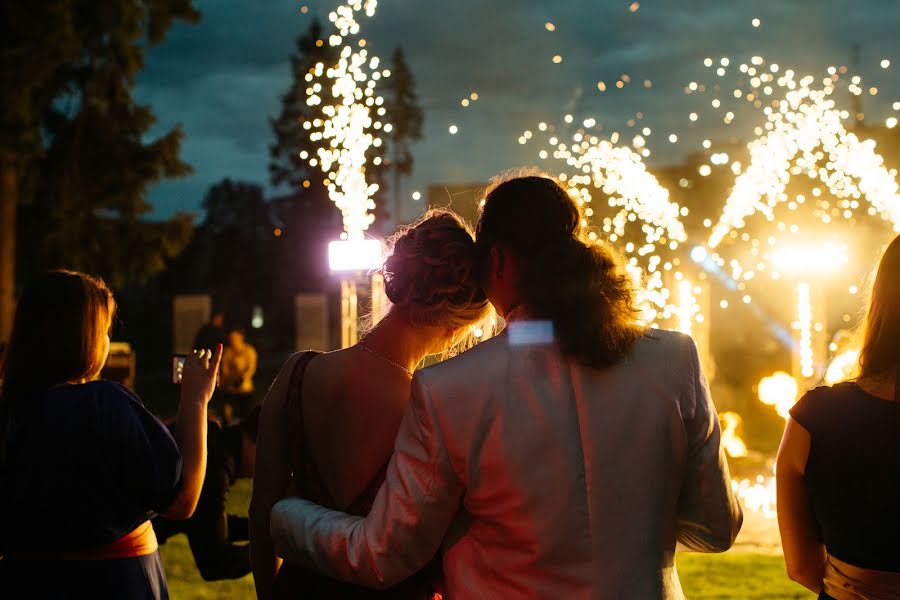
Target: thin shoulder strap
307 477
299 369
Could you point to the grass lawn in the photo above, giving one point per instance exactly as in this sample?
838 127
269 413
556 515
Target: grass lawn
731 576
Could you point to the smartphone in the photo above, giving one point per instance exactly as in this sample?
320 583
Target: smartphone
177 367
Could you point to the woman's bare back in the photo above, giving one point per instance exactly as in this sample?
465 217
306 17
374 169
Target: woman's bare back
352 405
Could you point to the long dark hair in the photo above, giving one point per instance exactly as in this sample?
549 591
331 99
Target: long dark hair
880 353
581 286
58 335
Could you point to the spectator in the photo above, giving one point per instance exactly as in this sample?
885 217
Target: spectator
238 369
84 466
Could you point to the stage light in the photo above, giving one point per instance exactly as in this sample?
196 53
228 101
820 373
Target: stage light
355 255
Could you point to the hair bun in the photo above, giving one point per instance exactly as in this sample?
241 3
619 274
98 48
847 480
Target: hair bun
431 272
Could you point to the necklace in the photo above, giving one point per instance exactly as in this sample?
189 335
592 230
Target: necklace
384 358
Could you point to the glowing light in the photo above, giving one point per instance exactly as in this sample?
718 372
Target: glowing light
731 441
891 122
755 22
453 129
355 255
416 195
549 26
699 254
634 6
779 390
804 325
885 63
673 138
687 306
257 321
843 367
557 59
806 259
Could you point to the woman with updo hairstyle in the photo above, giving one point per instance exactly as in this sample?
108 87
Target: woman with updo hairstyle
84 466
329 420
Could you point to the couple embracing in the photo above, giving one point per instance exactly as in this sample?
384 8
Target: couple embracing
566 457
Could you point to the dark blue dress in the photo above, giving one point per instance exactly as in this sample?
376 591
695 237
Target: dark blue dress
85 465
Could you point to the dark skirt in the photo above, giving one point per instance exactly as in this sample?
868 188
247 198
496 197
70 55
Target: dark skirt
137 578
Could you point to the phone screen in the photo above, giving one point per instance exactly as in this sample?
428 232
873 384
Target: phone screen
177 367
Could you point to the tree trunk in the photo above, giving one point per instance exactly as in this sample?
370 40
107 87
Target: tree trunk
8 201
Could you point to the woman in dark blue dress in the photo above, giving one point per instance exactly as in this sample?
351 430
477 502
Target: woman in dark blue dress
838 469
83 465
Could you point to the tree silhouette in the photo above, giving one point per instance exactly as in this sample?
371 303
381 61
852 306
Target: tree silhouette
74 154
406 117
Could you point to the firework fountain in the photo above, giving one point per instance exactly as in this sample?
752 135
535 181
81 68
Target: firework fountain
768 235
350 127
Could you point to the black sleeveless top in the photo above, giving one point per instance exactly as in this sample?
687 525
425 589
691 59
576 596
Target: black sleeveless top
853 473
294 582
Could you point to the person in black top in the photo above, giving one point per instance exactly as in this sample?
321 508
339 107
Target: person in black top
84 466
212 532
838 468
213 333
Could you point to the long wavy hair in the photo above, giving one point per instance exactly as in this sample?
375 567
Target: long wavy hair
879 355
580 285
58 335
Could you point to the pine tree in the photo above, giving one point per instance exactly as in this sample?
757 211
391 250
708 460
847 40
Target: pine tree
406 117
288 165
73 155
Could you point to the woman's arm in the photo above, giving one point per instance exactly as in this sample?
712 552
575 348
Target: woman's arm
271 475
804 553
197 386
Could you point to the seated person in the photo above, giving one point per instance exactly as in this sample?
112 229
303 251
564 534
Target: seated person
211 532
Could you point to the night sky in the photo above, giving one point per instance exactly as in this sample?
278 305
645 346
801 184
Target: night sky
222 79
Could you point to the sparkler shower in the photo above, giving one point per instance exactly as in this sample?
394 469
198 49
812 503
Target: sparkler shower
352 122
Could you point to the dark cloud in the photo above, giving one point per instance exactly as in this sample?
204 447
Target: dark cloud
223 77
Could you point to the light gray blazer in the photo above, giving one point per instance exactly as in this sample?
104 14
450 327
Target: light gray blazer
539 478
